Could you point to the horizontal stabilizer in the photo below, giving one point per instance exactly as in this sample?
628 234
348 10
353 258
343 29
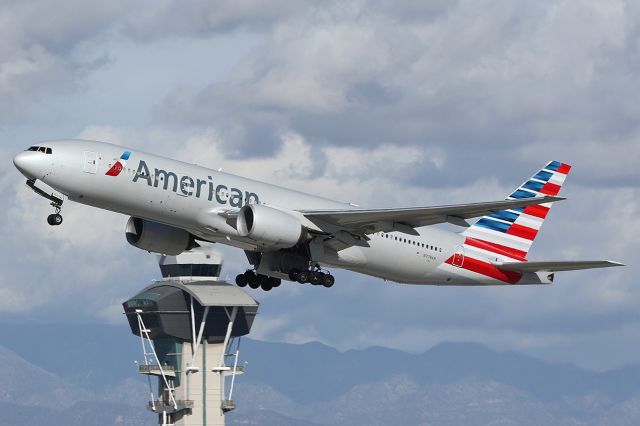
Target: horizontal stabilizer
570 265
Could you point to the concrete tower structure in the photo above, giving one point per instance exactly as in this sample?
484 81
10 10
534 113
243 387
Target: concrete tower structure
190 325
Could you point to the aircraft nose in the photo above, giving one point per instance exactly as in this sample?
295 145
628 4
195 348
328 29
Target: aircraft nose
26 162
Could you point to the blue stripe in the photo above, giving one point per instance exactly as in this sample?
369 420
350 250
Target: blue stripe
522 194
553 165
125 155
534 186
493 224
542 175
505 215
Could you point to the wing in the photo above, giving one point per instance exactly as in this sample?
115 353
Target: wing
571 265
362 222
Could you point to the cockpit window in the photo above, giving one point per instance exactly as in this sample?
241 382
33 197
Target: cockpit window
42 149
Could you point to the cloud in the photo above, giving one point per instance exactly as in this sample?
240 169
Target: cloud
491 84
43 49
160 19
380 103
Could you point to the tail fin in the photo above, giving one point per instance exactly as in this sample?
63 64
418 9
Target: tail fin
510 233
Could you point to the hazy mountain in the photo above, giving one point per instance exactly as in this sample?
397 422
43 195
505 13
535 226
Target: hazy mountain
84 375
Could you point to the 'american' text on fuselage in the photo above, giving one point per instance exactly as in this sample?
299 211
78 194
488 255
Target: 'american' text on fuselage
189 186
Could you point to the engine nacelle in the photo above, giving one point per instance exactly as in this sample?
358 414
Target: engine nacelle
269 227
158 238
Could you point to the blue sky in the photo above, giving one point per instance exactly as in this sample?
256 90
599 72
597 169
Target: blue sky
381 103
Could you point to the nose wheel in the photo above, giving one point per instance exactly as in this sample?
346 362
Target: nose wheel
55 219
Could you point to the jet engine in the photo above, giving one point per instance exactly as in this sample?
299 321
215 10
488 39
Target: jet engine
158 238
270 227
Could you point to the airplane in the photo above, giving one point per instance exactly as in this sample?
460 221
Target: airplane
291 235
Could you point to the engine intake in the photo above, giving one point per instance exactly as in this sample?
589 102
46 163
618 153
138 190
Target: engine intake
158 238
269 227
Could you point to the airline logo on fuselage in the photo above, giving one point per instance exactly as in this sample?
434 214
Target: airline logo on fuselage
119 165
199 188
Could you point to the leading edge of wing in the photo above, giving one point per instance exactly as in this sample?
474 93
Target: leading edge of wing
423 216
557 266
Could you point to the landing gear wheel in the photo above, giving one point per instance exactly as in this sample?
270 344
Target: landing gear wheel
275 282
293 275
54 219
264 282
316 278
251 278
328 280
303 277
241 280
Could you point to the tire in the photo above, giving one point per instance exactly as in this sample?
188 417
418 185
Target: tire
303 277
316 278
293 275
254 284
50 220
57 219
275 282
266 286
328 280
241 280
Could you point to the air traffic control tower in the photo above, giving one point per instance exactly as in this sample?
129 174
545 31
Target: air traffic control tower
190 325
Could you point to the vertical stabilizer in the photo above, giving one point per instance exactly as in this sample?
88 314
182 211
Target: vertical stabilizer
510 233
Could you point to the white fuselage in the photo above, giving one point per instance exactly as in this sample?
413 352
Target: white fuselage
190 197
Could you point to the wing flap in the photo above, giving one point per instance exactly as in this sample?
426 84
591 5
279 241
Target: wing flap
557 266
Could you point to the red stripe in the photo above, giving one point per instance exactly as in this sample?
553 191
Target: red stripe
489 270
522 231
564 169
550 189
115 169
537 211
496 248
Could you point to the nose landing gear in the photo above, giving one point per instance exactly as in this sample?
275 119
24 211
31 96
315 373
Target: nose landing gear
55 219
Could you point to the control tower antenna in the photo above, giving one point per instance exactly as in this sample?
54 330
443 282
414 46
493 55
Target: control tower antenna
188 323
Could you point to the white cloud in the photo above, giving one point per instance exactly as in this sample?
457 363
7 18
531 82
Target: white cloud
376 102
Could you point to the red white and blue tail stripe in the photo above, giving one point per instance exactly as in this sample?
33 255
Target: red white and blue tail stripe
508 234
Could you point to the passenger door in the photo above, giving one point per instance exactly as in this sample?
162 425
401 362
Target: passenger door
90 162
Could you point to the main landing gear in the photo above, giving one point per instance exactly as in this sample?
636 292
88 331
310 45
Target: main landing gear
314 277
55 219
254 281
